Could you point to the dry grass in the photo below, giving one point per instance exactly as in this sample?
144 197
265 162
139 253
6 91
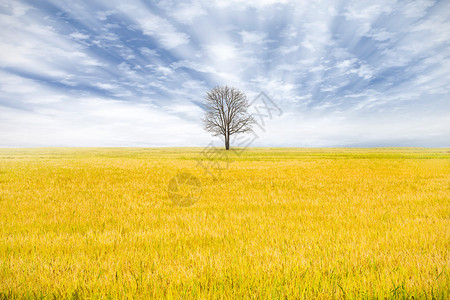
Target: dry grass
277 223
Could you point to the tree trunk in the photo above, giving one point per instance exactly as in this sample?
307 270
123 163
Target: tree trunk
227 142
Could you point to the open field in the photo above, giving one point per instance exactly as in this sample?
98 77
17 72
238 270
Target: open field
275 223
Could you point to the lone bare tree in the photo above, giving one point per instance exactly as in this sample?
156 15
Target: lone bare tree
226 113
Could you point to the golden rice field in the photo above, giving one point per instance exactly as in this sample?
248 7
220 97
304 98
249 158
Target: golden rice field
273 223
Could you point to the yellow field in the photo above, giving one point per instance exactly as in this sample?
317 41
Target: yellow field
275 223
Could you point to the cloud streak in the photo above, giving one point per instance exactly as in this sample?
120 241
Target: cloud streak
106 73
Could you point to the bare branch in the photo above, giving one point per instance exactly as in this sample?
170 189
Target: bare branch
226 112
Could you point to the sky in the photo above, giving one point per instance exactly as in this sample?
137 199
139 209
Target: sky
134 73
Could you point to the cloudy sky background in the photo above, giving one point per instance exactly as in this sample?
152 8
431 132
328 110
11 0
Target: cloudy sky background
133 73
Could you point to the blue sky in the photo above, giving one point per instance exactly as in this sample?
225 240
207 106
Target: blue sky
133 73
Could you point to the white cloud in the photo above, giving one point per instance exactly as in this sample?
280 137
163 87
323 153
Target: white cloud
105 86
79 36
417 8
299 130
363 71
14 85
40 49
341 72
96 122
186 111
186 13
242 4
380 34
365 15
284 50
156 26
17 8
161 71
103 15
286 92
194 66
221 51
359 11
148 52
253 37
291 32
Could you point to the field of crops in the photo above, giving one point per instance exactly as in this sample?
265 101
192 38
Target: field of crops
266 223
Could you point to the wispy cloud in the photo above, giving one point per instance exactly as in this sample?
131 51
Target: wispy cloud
114 73
155 26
